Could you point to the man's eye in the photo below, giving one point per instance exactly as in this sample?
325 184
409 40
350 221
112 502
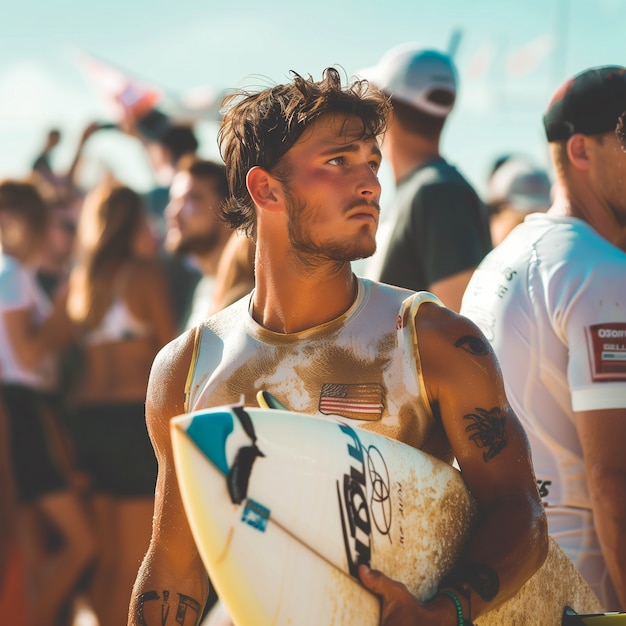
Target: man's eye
337 161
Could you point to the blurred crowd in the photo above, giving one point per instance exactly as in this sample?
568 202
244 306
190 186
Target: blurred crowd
93 282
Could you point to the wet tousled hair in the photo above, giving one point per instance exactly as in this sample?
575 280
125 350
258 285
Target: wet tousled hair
258 129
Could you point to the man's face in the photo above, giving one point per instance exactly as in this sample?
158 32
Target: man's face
193 225
332 192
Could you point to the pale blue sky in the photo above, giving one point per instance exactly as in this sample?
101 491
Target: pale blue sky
185 44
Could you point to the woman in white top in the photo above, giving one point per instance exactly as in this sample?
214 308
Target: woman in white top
30 336
122 315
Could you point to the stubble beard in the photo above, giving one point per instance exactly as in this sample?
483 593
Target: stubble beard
312 254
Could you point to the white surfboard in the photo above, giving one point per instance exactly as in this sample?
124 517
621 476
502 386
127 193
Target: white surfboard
284 507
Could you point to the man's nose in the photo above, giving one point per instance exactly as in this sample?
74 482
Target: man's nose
369 185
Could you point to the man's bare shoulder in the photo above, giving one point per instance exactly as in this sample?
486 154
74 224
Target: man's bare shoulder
166 387
449 342
441 324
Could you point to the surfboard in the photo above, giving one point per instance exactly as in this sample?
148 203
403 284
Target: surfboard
284 507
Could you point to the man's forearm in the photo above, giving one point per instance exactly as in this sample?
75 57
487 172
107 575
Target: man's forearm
159 600
506 549
164 608
609 512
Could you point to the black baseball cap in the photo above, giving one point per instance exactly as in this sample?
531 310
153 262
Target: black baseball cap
589 103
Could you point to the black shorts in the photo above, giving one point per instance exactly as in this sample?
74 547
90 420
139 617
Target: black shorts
36 469
113 448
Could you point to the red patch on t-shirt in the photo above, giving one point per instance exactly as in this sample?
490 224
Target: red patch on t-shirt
607 351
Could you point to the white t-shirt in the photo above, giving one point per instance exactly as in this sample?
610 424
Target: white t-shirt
552 301
19 290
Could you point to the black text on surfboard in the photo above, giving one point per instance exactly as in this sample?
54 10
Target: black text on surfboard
355 510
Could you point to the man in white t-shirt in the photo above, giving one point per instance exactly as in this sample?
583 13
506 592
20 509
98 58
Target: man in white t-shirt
552 300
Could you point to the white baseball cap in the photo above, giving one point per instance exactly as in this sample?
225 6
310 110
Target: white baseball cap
414 75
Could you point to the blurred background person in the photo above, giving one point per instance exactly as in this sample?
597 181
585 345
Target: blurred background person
439 229
31 334
167 145
56 255
42 164
515 189
166 150
119 306
551 298
56 185
195 229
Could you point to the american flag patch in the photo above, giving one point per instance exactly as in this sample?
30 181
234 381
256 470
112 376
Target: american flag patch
361 401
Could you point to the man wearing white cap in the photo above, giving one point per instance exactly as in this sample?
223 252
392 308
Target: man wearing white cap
441 229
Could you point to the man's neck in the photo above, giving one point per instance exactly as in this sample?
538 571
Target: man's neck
291 301
584 205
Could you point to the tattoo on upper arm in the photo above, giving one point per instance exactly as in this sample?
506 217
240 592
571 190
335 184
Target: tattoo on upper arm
188 610
488 431
473 345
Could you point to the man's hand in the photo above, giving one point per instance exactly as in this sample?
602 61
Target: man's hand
399 607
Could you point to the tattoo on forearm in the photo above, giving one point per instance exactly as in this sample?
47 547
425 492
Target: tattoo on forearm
188 610
488 431
473 345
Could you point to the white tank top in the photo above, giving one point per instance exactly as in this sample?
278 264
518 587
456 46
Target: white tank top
363 366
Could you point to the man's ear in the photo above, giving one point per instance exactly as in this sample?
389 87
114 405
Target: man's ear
264 189
578 152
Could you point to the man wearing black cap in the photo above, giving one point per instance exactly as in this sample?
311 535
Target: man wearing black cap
552 300
438 227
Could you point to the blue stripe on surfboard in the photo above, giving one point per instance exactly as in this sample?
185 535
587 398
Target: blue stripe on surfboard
209 432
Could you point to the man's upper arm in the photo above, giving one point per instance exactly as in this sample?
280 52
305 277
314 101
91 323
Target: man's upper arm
465 386
165 400
602 434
